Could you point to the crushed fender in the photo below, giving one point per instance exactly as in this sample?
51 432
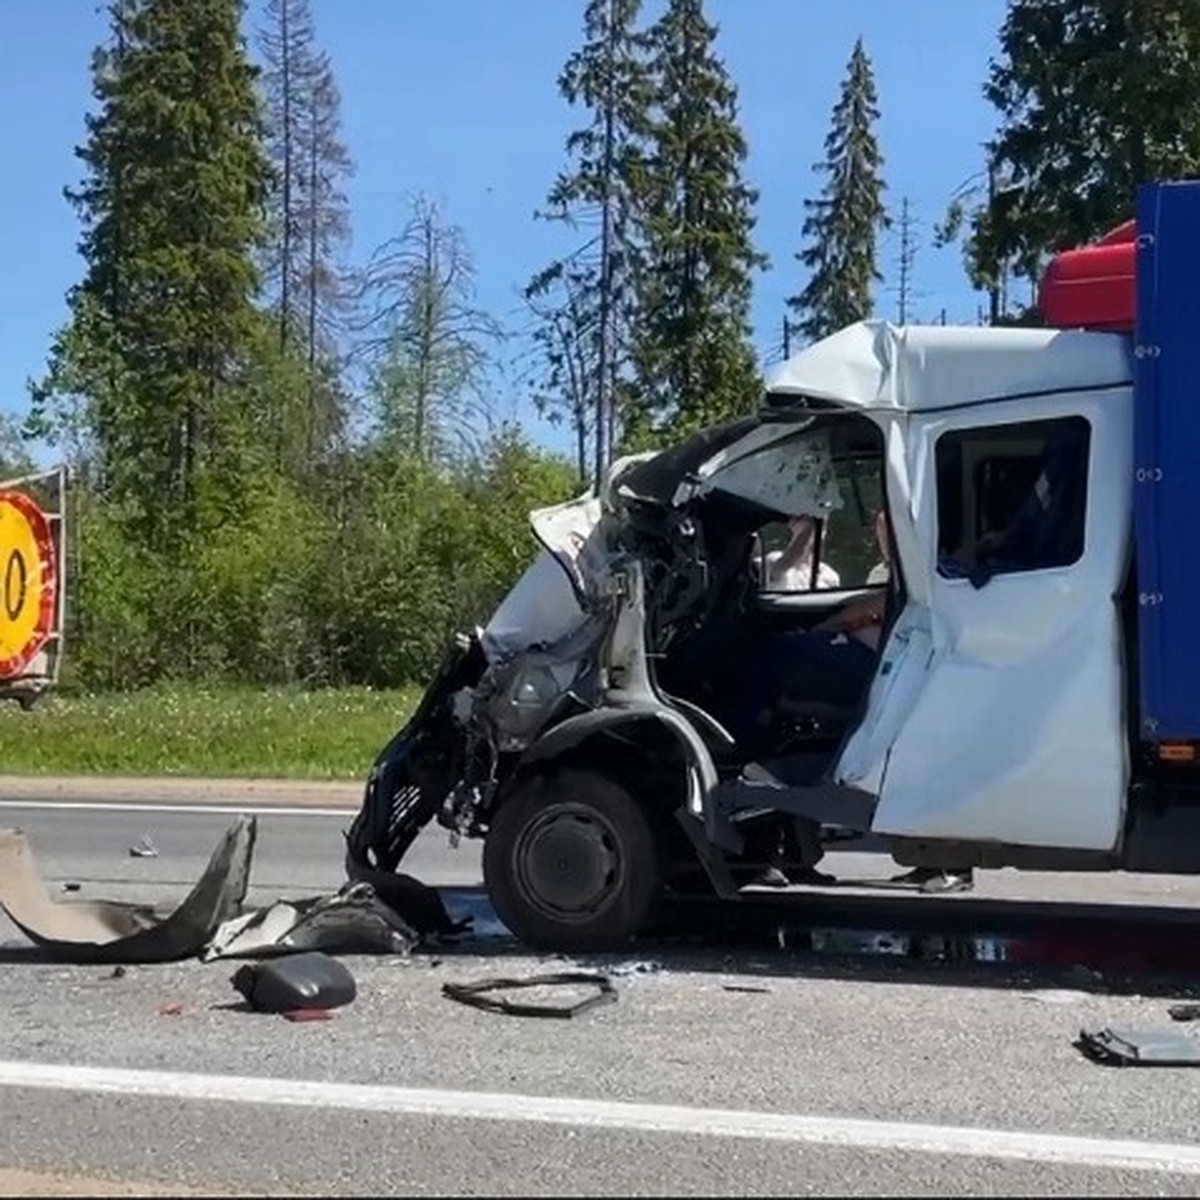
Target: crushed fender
354 920
100 931
299 982
475 994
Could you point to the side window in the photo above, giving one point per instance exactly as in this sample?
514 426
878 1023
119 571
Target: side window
837 553
1012 498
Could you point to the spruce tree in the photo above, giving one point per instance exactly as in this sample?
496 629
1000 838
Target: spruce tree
583 302
163 326
694 361
309 230
309 213
844 223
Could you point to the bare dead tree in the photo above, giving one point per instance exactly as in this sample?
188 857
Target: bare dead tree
906 227
426 344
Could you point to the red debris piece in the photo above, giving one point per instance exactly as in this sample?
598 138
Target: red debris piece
309 1014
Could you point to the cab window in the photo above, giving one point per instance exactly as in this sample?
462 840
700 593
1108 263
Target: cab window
1012 498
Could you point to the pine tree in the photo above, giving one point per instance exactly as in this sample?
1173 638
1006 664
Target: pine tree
163 324
1094 97
844 223
608 78
693 357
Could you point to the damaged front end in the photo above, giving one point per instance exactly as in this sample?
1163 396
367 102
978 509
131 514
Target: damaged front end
537 662
621 631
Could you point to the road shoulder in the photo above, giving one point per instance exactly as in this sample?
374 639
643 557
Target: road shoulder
127 789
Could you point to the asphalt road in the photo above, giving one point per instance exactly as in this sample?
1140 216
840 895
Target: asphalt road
885 1077
294 854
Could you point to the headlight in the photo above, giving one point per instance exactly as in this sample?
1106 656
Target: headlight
533 687
519 709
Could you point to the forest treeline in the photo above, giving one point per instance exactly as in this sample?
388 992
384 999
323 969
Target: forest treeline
287 466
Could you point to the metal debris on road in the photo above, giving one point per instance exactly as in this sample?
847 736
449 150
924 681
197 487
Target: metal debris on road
143 848
641 967
475 994
1055 996
108 931
354 920
1139 1047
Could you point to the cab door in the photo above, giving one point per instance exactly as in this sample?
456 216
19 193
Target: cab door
1008 699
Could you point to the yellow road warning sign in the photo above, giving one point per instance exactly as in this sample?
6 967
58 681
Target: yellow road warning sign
28 582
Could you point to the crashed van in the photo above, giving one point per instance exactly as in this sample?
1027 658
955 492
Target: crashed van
1033 706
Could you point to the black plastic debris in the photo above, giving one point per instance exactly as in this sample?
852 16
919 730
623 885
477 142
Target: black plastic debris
1184 1012
299 981
416 903
352 921
1139 1047
477 994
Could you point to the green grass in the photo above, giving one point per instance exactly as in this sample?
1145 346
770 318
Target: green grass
204 731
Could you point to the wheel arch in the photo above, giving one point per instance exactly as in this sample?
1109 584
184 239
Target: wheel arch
624 743
583 738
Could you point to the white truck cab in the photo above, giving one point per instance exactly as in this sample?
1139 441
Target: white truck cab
1027 698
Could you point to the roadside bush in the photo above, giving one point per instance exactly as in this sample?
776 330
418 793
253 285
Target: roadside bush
360 577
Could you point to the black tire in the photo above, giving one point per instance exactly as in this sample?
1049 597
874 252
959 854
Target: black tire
571 863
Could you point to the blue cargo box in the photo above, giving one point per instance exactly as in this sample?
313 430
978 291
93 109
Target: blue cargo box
1166 436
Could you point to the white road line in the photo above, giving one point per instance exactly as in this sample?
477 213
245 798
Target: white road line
223 810
843 1132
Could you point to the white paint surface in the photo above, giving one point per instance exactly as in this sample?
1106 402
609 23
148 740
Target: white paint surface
915 368
894 1136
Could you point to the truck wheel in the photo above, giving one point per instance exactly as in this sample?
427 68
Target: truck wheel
571 864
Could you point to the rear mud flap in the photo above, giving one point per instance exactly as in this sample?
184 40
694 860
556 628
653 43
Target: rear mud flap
102 931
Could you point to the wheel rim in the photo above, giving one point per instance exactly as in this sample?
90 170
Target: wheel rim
569 863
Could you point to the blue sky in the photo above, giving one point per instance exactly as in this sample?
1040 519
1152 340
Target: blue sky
457 99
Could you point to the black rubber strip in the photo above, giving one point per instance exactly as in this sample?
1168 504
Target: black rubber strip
475 994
